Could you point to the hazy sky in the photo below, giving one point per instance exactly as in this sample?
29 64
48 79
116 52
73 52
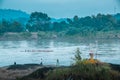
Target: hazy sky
63 8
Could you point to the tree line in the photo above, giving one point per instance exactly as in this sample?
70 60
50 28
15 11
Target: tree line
39 21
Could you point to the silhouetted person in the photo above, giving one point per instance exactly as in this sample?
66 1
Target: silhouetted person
57 64
14 63
41 62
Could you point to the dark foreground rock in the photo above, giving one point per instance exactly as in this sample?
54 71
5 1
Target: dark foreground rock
22 67
115 67
39 72
42 73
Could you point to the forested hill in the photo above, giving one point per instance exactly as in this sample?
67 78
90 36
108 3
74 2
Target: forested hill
11 15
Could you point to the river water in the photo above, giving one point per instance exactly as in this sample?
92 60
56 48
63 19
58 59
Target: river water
48 51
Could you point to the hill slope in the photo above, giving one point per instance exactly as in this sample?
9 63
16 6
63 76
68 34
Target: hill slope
14 15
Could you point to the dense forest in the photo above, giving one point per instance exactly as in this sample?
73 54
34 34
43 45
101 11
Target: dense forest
82 26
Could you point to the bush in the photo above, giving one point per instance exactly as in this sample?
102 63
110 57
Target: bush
58 74
26 34
83 71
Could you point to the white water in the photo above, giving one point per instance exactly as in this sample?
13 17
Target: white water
16 51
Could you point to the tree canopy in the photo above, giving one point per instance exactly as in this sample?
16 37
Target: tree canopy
39 21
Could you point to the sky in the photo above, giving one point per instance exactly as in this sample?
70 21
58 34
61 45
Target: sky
64 8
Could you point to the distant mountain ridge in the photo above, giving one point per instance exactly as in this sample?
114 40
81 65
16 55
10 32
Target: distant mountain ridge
14 15
18 15
58 20
23 17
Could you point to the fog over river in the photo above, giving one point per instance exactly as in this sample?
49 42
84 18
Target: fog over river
49 51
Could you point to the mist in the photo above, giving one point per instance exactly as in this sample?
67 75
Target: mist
118 1
64 8
1 1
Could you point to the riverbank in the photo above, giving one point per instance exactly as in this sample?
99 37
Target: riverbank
17 71
35 71
14 72
55 35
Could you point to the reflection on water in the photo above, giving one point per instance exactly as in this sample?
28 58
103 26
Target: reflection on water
10 51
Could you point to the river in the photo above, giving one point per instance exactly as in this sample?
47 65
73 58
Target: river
48 51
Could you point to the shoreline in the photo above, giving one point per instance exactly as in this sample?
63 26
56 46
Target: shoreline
34 36
12 72
57 39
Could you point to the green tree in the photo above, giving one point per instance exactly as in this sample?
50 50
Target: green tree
77 55
16 27
38 22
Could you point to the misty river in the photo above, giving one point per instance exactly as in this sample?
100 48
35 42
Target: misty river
48 51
